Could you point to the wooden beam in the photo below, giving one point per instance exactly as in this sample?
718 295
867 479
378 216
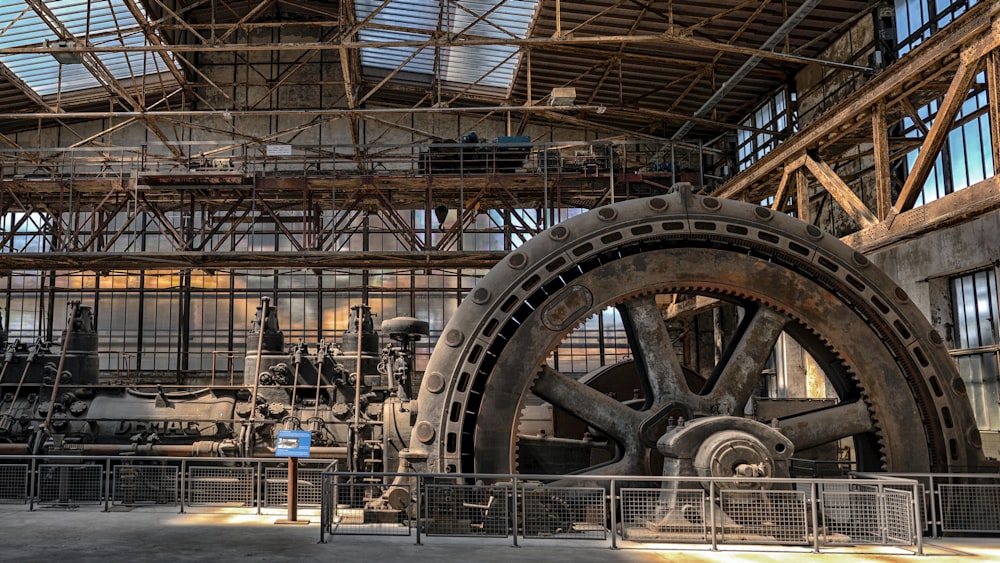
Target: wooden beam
23 87
883 175
841 192
802 196
779 196
8 142
956 95
829 127
993 87
954 208
790 168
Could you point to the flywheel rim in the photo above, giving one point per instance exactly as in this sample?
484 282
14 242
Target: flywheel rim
470 399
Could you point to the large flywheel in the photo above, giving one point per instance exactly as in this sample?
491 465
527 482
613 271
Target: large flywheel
899 399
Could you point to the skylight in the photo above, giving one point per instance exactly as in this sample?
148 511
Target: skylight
100 23
417 20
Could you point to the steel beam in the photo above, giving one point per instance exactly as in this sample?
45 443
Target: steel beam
677 37
191 260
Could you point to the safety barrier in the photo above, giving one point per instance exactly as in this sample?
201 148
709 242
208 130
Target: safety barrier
862 509
14 483
967 503
808 512
183 484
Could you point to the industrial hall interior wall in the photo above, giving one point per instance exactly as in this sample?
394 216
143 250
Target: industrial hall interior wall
173 237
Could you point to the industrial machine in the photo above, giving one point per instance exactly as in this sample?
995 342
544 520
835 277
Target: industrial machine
899 401
472 155
53 402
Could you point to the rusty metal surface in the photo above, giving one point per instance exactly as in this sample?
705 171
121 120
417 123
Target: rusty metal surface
900 398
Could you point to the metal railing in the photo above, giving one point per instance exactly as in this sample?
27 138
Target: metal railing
180 483
864 509
808 512
676 161
954 502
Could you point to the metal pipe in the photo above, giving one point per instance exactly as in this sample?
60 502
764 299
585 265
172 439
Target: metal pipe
611 170
172 450
265 303
751 63
320 362
356 453
74 307
8 357
297 360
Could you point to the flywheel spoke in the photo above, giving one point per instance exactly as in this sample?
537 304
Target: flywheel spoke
819 427
590 405
659 369
738 377
630 464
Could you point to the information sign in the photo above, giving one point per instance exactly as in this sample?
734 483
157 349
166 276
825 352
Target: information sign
293 443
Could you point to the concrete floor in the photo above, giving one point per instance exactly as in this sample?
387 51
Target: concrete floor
88 535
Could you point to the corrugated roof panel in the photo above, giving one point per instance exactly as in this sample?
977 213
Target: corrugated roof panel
491 65
44 75
391 57
106 22
27 28
104 16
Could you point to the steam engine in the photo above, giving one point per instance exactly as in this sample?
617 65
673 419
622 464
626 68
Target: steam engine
353 396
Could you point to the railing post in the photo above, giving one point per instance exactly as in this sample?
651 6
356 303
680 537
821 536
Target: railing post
260 475
814 492
883 513
32 477
515 512
711 513
918 528
107 483
932 494
324 490
614 514
419 490
183 477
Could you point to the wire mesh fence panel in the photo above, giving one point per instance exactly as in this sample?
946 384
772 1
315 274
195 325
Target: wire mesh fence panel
897 507
223 486
664 515
970 507
922 500
564 513
924 497
763 517
144 484
14 483
839 486
852 517
369 509
70 485
310 487
466 510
